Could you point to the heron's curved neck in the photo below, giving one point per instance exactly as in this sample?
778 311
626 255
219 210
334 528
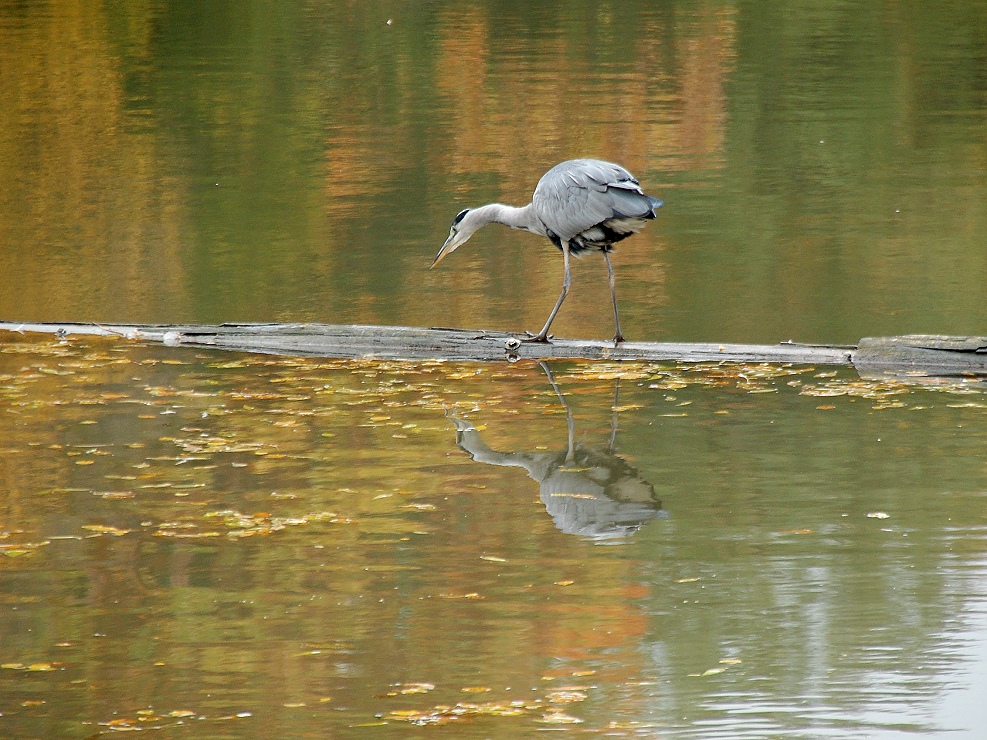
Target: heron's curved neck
517 218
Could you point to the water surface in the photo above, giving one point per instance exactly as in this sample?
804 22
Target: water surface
221 545
822 165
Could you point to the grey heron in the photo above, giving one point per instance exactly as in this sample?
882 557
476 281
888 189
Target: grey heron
580 204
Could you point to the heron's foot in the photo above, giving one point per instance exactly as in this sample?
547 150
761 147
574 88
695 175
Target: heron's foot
540 337
618 338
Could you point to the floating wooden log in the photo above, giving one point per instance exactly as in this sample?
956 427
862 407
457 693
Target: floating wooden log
411 343
905 356
918 355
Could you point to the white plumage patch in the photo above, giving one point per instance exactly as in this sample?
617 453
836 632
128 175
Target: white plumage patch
626 225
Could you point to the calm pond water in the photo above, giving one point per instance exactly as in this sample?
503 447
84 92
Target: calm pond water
236 546
218 545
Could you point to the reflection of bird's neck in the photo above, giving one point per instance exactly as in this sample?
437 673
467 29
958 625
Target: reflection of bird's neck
517 218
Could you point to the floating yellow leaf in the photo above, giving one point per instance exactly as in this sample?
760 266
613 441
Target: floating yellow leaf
22 548
558 718
565 695
104 529
475 689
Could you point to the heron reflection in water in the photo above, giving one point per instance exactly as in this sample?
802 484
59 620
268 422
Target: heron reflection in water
588 490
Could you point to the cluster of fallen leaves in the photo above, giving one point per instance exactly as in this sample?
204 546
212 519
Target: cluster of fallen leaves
19 549
32 667
548 709
149 719
223 523
768 378
552 708
262 412
297 390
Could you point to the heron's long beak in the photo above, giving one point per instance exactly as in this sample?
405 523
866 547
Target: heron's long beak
452 244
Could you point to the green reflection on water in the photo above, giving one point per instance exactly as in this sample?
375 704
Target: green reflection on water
822 167
304 543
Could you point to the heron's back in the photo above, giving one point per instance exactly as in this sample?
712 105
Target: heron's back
591 204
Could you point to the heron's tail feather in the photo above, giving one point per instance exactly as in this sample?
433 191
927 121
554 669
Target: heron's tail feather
630 204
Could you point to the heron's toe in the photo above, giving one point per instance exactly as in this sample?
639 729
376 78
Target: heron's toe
529 337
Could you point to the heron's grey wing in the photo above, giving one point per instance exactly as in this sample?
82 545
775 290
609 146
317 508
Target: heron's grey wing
579 194
625 196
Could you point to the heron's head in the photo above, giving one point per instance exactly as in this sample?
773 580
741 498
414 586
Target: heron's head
463 227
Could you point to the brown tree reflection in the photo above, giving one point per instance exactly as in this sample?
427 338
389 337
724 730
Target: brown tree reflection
588 490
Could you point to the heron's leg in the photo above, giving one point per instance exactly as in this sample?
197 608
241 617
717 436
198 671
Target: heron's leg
570 422
542 336
613 416
617 337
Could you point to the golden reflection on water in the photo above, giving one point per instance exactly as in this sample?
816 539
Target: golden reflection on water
822 173
88 217
103 214
258 540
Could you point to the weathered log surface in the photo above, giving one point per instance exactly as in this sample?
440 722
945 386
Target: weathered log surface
401 342
905 356
916 355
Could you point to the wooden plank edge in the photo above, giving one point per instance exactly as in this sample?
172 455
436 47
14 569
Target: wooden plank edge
914 356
